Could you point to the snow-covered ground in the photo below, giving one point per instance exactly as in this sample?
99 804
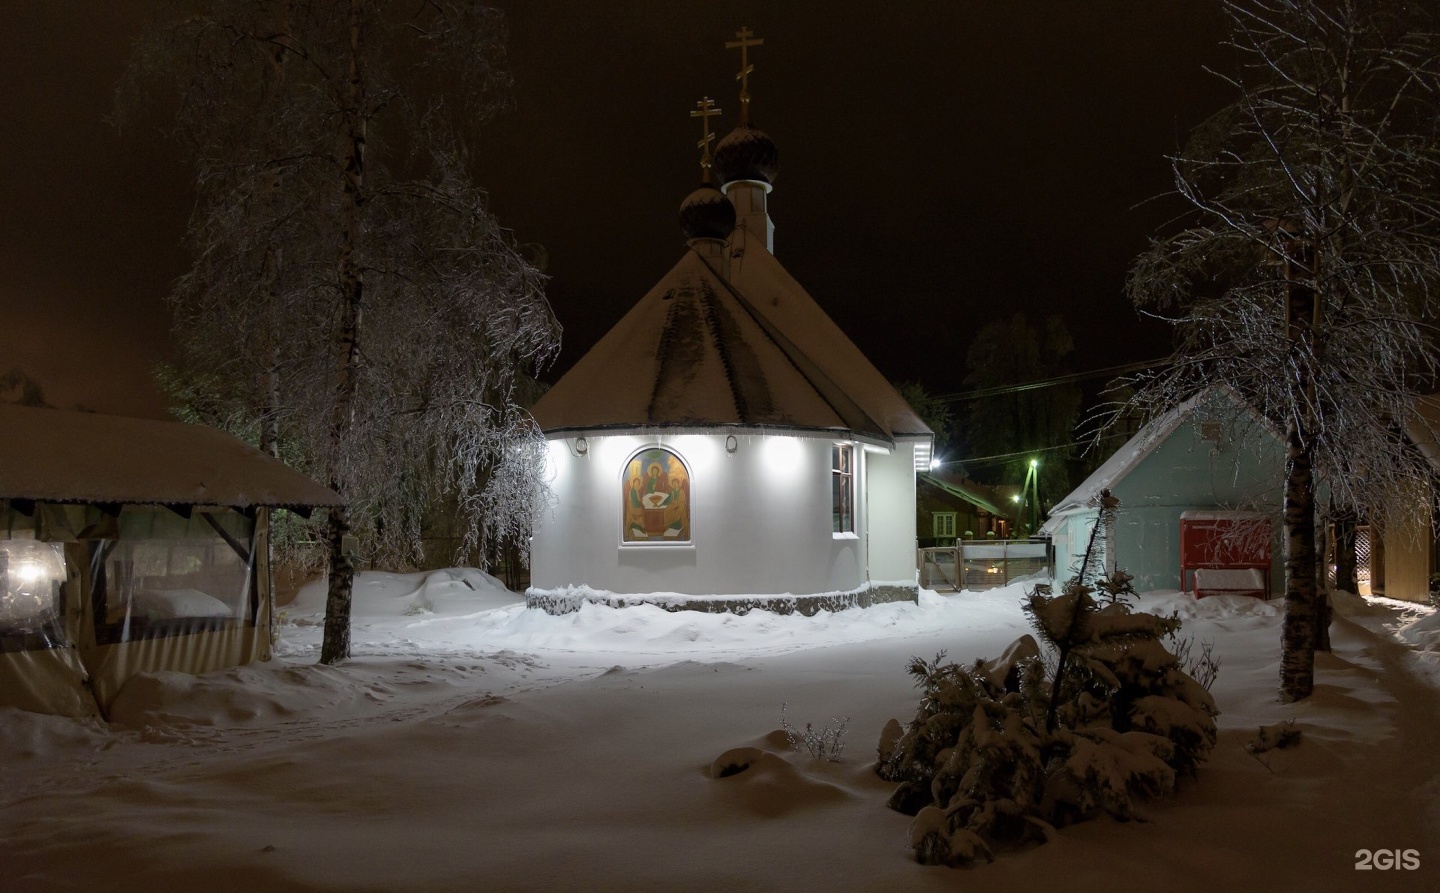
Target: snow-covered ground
472 745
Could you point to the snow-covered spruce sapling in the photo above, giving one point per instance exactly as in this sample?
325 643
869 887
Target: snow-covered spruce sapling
1002 751
826 744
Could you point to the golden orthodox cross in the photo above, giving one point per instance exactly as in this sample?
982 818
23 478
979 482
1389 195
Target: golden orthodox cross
743 45
705 109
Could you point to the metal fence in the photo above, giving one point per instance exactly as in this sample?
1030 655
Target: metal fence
982 565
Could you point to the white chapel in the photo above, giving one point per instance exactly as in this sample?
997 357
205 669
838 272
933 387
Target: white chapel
725 445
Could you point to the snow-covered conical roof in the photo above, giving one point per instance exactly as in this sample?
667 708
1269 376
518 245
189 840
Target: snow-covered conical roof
755 273
698 352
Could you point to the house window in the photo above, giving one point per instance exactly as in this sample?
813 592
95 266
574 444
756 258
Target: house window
942 524
842 488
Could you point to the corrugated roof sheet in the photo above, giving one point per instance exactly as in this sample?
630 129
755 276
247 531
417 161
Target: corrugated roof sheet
51 455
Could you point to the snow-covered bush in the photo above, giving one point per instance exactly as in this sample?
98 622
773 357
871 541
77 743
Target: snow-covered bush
998 753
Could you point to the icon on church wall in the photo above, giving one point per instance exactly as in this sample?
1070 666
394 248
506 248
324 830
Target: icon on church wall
656 498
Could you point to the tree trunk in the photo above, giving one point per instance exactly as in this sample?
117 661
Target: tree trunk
1322 586
1323 613
1301 632
270 377
1345 579
351 282
336 645
1297 659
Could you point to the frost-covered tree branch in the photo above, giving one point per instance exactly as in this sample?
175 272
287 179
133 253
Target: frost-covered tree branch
1305 277
353 303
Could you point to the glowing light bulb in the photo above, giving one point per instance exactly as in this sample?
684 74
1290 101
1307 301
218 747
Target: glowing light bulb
27 572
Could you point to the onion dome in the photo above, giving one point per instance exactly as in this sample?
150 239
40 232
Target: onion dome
747 153
707 214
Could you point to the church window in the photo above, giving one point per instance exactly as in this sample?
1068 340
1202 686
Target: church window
842 488
655 498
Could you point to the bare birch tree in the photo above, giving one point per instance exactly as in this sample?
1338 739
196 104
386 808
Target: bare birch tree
351 289
1306 279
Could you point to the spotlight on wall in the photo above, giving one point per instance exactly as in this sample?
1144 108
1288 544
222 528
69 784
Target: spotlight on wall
582 446
731 444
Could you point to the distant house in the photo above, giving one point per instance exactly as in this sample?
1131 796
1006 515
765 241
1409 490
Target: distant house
1212 458
1398 556
952 507
130 546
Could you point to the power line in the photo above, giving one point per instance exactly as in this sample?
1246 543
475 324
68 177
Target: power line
1000 457
996 391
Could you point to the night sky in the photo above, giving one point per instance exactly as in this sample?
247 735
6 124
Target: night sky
942 163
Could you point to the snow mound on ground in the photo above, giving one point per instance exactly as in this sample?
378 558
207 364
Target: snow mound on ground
27 736
768 785
459 590
438 614
651 629
1423 632
264 694
1165 602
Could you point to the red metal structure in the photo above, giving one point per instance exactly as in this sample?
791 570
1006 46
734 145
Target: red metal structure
1225 553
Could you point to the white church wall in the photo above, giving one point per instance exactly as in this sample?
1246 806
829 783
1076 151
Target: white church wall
760 520
890 482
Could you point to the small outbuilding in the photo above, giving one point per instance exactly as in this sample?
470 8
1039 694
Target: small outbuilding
1213 457
130 546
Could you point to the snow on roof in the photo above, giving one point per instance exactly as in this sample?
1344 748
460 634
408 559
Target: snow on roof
1121 462
698 352
52 455
756 274
1128 457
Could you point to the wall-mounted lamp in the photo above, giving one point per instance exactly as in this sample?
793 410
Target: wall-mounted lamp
582 446
731 444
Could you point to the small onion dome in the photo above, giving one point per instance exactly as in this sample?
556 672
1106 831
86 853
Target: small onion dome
747 154
707 214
